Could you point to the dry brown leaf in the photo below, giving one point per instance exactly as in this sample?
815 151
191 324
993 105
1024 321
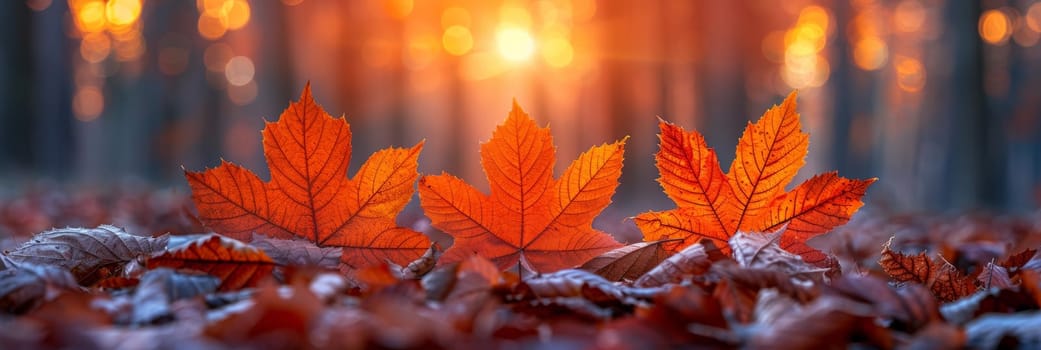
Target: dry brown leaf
691 261
629 262
91 254
237 265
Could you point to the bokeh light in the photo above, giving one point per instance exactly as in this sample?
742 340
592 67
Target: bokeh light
239 71
238 14
95 47
122 12
89 15
457 40
88 103
995 27
515 16
870 53
211 27
804 64
909 16
217 17
1033 17
515 44
910 74
557 51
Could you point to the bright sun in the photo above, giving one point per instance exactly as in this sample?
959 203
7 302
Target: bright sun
515 44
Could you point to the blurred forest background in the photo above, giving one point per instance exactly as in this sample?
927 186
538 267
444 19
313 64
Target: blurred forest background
939 99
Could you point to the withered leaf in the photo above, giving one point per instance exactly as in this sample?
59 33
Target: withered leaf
236 264
570 283
762 250
628 262
1015 262
691 261
422 265
994 276
942 278
991 331
162 286
91 254
280 317
295 252
815 326
28 285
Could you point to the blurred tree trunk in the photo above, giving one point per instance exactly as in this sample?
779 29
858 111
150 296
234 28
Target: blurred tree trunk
52 96
15 112
973 154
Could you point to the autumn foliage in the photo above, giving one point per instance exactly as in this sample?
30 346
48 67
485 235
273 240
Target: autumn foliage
751 197
529 218
309 196
314 259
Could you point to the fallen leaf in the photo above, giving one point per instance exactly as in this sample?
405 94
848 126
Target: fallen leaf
162 286
994 331
373 278
1016 262
297 252
751 196
277 317
691 261
942 278
421 266
629 262
309 195
684 316
815 326
27 286
994 276
91 254
529 219
569 283
761 250
907 308
236 264
938 336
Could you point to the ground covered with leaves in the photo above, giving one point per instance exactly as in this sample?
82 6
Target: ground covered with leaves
314 259
940 282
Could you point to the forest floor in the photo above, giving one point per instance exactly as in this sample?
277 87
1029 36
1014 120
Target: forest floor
903 281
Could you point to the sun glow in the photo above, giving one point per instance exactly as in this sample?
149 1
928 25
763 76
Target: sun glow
515 44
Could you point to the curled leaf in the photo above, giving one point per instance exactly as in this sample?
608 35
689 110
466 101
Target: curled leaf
942 278
91 254
27 286
236 264
295 252
691 261
628 262
422 265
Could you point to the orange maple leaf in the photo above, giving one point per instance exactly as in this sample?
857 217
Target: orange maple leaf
529 217
751 196
309 195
